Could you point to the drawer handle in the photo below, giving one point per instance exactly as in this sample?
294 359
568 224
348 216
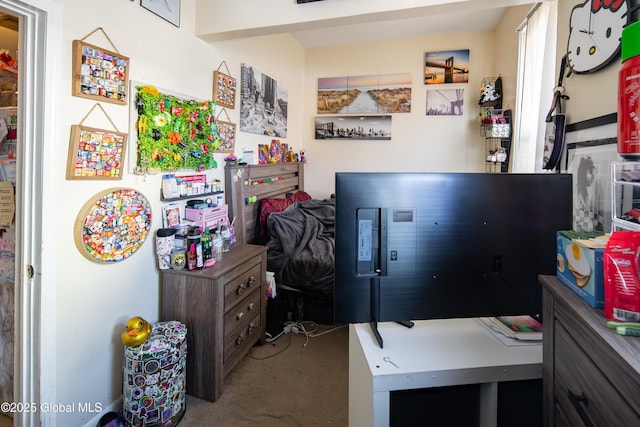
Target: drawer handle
251 328
579 402
241 289
241 338
239 315
252 281
250 306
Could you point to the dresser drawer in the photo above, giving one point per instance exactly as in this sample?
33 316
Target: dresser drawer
583 390
240 314
562 420
240 286
238 342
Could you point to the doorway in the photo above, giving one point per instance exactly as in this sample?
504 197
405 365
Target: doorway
39 42
8 140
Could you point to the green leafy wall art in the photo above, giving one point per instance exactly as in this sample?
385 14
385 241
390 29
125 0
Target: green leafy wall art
174 133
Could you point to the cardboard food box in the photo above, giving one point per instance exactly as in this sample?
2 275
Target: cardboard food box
580 264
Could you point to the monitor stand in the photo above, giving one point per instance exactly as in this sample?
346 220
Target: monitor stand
374 310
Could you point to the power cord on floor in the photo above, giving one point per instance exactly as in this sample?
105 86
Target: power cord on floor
297 328
271 339
291 328
300 328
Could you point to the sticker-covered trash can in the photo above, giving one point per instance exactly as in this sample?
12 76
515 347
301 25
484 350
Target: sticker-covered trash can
154 377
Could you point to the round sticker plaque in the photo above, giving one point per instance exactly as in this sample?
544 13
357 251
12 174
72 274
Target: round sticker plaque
113 225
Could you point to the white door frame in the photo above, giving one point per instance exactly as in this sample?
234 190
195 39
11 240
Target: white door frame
40 44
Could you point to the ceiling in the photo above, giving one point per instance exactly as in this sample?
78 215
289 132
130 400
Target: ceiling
421 18
378 30
392 29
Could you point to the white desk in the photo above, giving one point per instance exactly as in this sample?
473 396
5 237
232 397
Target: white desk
434 353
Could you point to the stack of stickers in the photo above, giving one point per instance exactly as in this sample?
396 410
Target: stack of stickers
154 372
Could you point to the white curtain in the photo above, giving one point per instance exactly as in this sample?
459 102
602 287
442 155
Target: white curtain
536 81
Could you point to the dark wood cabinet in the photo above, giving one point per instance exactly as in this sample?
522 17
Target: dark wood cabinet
224 309
591 375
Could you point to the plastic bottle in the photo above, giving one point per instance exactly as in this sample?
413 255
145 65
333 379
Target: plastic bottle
217 245
199 257
191 257
207 248
226 238
629 93
193 238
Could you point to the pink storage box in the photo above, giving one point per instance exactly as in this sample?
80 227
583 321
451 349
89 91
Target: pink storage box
208 217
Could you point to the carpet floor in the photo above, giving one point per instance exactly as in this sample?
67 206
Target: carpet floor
292 381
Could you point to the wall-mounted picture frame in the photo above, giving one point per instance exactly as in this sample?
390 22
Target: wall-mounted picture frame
226 134
264 103
445 102
591 146
95 154
224 88
370 94
99 74
451 66
353 128
169 10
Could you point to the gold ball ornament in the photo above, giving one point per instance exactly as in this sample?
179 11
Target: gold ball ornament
137 331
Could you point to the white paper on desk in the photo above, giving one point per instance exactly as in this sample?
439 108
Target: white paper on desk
508 341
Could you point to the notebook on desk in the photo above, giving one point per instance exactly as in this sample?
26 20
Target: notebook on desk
518 330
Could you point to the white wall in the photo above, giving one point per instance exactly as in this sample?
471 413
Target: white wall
419 142
95 300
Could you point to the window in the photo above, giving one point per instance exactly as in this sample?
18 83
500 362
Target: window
536 76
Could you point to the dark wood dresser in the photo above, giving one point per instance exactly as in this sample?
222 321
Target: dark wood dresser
224 309
591 375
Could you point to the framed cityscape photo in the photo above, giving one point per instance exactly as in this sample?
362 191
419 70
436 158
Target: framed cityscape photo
353 128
